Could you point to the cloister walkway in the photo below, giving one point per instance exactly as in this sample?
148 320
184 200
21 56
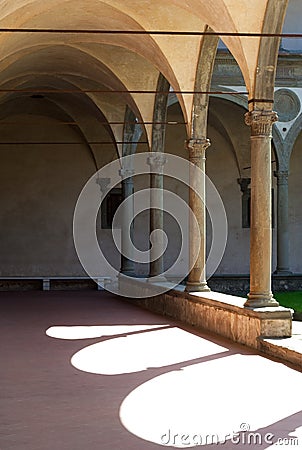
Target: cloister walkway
88 370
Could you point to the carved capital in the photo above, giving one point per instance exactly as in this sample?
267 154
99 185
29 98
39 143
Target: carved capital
282 177
156 161
244 184
197 148
103 183
261 122
126 173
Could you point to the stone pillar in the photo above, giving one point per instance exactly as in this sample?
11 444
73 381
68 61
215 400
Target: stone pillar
261 209
197 276
246 193
156 162
103 184
127 263
282 223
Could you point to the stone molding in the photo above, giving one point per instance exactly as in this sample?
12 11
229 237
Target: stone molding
126 173
156 161
261 122
197 149
218 313
244 184
282 177
287 104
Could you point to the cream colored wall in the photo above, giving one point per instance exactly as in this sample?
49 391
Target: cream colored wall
39 187
295 210
222 170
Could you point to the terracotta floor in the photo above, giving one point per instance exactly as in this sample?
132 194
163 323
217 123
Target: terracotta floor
86 370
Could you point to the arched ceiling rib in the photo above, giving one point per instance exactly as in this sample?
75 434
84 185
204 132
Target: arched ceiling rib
93 112
268 54
167 57
88 73
223 16
135 58
68 111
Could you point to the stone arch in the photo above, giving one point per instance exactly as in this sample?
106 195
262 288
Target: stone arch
203 79
160 114
263 95
132 133
284 145
73 108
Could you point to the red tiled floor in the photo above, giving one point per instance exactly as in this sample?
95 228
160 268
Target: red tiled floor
111 376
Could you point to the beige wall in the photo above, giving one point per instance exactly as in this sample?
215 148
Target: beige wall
222 170
39 186
295 210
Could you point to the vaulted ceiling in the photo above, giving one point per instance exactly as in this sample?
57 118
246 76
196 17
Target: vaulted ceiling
112 69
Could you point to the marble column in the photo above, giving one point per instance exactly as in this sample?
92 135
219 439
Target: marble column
104 188
197 255
156 162
260 294
127 263
244 186
282 223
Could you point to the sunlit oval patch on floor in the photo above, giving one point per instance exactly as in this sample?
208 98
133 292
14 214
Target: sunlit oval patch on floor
137 352
213 400
93 331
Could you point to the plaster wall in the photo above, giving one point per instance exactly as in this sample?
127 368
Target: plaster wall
295 211
39 187
222 170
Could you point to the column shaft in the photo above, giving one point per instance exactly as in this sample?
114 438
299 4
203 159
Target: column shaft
261 217
127 263
197 256
156 161
282 223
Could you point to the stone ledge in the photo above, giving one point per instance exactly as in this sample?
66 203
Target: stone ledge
278 348
222 314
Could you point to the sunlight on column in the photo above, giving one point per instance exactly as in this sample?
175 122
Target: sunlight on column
140 351
215 398
88 332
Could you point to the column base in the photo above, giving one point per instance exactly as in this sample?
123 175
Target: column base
284 272
197 287
260 301
127 273
156 279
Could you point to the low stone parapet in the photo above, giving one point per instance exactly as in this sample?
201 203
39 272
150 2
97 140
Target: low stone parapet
219 313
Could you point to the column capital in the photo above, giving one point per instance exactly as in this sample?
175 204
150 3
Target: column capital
126 173
197 147
261 122
103 183
282 177
157 160
244 184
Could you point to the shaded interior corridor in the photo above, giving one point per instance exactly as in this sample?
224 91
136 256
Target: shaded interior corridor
87 370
